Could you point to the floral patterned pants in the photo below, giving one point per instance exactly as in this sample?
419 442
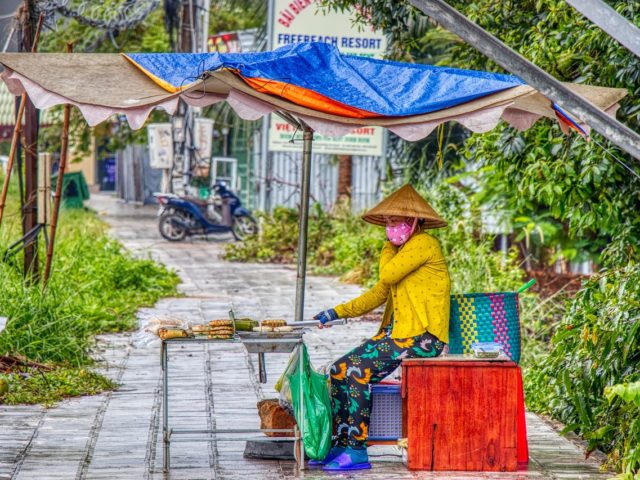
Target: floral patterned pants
369 363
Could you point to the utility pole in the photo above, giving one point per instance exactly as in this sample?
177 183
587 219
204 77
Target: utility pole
183 121
28 21
345 170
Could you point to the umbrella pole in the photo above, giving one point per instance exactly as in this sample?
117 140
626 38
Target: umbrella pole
304 222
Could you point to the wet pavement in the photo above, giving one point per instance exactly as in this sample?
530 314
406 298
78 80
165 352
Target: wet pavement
118 435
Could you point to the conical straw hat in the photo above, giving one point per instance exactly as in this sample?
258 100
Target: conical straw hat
405 202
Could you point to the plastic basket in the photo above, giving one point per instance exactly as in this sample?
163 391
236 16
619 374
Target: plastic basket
486 317
386 412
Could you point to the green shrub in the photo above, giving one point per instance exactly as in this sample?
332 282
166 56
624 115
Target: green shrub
473 264
95 287
277 241
49 387
596 346
343 244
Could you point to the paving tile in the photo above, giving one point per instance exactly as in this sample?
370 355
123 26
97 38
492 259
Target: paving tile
119 435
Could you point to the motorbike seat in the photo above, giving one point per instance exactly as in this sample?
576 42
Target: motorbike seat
197 201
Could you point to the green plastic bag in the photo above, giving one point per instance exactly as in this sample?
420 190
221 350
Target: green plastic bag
315 417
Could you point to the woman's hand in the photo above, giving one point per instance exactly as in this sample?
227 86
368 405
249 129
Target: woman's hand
326 316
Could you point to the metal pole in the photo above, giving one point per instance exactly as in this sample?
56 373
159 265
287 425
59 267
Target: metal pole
166 460
206 11
487 44
262 172
64 152
301 400
303 222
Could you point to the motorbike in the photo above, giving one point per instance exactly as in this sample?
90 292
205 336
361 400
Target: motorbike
222 212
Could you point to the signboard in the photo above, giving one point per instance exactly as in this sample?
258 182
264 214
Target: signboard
202 140
233 42
160 145
225 43
303 21
362 141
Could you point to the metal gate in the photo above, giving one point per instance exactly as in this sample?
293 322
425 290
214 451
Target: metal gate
283 178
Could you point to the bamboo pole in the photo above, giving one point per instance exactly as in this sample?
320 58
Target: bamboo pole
12 154
64 150
16 130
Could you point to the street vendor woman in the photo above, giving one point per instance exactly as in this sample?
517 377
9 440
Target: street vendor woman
414 283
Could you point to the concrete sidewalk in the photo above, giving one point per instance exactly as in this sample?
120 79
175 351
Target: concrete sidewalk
118 435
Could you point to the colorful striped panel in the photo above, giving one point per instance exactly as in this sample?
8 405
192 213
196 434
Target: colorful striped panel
468 324
499 322
485 317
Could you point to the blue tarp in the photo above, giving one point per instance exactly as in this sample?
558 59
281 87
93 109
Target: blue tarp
379 86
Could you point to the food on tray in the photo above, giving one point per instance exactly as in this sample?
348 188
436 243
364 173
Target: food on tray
155 323
167 333
283 329
262 329
270 326
215 336
273 323
221 323
200 329
221 331
246 324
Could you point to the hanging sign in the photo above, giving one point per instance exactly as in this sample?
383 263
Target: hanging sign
203 140
304 21
160 145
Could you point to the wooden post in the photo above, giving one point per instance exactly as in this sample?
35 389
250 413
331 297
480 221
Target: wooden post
64 149
16 131
29 42
345 169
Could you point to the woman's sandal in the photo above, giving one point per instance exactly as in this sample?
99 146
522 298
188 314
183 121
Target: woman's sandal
344 462
333 453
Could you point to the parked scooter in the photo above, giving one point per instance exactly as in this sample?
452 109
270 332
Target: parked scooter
222 212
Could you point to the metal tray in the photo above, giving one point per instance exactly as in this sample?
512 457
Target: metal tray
280 342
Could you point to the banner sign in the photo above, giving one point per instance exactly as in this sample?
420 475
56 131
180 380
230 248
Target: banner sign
203 140
160 145
304 21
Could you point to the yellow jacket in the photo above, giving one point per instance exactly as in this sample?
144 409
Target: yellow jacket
414 281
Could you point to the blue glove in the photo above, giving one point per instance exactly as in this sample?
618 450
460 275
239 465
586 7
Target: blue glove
326 316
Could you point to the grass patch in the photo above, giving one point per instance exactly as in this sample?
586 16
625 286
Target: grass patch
48 388
96 287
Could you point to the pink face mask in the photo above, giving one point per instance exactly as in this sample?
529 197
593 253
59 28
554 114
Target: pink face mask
399 233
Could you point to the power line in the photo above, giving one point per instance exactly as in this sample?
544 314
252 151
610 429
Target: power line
128 15
606 150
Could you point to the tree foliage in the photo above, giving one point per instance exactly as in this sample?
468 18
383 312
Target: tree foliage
539 174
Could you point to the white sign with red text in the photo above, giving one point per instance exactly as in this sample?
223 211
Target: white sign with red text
304 21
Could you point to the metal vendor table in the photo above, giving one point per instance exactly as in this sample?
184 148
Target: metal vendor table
254 343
